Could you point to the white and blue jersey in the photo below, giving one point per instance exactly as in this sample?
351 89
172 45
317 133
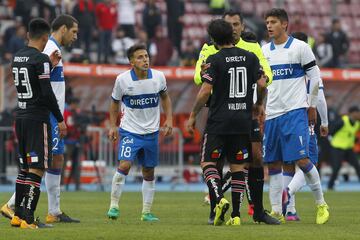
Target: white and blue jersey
140 122
286 134
58 86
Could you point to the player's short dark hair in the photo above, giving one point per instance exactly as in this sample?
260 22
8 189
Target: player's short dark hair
233 13
63 19
130 52
221 32
301 36
279 13
354 109
38 27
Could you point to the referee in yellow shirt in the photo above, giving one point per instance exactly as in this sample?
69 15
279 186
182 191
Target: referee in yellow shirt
256 169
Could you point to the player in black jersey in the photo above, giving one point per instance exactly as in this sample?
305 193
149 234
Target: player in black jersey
230 79
31 72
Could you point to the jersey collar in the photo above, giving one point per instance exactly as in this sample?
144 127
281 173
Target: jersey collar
135 78
53 39
287 44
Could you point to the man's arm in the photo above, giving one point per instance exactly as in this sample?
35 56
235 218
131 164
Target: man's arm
204 54
113 113
264 63
322 109
166 105
200 101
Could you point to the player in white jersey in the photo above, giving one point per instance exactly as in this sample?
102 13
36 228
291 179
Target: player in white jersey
139 91
64 33
286 133
293 183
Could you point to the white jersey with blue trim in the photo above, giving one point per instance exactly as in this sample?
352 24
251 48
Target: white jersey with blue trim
139 100
289 62
57 74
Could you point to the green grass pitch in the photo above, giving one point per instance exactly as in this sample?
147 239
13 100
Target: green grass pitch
183 216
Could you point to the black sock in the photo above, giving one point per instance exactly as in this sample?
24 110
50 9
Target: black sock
32 186
213 181
248 194
20 193
237 192
226 182
256 185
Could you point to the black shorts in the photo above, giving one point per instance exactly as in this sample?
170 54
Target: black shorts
236 148
34 143
255 135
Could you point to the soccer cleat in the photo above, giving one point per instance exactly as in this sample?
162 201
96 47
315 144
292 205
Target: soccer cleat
266 218
233 221
64 218
149 217
211 220
322 215
285 200
15 221
220 210
113 213
251 209
279 216
7 212
292 217
36 224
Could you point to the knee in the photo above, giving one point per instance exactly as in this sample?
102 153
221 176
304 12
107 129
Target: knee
148 174
124 167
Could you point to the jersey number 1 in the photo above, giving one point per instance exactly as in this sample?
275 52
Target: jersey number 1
238 77
25 81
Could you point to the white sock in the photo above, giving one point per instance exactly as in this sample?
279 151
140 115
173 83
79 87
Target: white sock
117 185
11 202
52 183
313 181
297 182
287 180
275 192
148 192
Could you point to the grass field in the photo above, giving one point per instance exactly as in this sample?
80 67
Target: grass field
183 216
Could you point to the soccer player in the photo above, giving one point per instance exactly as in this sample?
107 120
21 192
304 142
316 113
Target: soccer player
139 90
256 170
230 78
286 133
294 182
64 33
36 99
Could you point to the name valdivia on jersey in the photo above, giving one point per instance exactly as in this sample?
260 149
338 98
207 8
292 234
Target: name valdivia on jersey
237 106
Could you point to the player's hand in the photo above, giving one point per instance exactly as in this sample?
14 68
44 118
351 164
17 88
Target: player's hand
55 57
190 125
62 129
324 131
312 115
168 126
204 67
113 134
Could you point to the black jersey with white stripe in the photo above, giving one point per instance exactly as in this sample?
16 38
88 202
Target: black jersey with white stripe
31 73
233 72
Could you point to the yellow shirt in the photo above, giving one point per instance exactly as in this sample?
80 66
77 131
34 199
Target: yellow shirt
255 48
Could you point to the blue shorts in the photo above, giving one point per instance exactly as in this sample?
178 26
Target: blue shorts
144 148
286 138
57 142
313 146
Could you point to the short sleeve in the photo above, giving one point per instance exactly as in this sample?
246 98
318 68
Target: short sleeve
117 92
307 57
43 67
210 74
256 68
163 86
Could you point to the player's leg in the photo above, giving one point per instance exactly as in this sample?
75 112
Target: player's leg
210 154
149 160
53 178
337 156
288 175
352 159
128 149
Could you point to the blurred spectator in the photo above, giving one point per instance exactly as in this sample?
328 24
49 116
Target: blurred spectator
120 45
5 10
151 18
106 17
175 21
2 50
190 54
297 24
217 7
17 41
77 56
142 38
23 9
84 12
324 52
126 17
164 48
339 42
72 142
11 30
